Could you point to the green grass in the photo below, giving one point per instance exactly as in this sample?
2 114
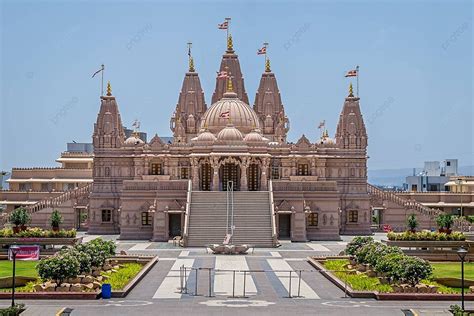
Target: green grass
358 282
23 268
125 274
452 270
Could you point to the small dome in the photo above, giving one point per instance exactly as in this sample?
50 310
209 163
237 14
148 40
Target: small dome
134 140
254 136
205 136
230 134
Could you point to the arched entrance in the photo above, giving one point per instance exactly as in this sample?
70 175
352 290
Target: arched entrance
229 171
206 177
253 177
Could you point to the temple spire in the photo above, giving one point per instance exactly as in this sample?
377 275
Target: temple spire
267 65
191 60
351 92
230 44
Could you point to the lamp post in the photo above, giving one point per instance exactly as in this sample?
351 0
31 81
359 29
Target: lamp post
462 252
13 252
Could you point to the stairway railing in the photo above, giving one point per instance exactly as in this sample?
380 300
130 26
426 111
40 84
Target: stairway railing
53 202
272 213
408 204
187 213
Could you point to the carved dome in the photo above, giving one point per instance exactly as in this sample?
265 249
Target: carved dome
230 109
205 136
254 136
230 134
134 140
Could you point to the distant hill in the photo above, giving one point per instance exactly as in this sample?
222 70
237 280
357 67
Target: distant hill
396 177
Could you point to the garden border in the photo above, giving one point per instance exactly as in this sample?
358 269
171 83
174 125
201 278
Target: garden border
151 261
316 263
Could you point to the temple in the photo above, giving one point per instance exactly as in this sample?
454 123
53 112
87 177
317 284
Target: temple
230 158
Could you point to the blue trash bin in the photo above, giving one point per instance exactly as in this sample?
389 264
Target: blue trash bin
106 290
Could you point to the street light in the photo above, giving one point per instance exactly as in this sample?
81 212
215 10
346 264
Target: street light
13 250
462 252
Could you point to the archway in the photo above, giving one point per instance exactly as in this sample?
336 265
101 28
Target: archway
229 171
253 177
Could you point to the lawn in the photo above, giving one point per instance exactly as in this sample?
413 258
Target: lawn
123 276
452 270
23 268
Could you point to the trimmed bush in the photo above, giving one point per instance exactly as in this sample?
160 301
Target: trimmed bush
357 243
19 217
59 267
413 269
36 232
56 219
389 265
426 236
85 260
98 250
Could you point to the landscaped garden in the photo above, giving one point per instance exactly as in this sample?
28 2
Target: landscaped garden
377 267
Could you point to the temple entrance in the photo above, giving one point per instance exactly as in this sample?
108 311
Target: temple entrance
284 226
174 225
229 172
82 220
253 177
206 176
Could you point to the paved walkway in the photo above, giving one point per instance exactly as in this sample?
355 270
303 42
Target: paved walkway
266 291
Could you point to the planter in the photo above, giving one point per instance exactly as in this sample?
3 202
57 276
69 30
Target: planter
23 227
55 228
16 229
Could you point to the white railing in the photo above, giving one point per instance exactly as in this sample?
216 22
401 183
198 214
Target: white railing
273 214
187 213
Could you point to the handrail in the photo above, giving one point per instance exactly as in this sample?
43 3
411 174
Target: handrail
54 201
187 213
408 204
273 214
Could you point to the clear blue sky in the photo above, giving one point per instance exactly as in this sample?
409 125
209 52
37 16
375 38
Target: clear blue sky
415 69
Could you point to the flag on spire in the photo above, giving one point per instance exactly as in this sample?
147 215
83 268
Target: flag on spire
98 71
352 73
223 26
322 124
262 51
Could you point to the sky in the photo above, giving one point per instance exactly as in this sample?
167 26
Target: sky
415 61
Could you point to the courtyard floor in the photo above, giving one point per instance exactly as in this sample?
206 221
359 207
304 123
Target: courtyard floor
266 291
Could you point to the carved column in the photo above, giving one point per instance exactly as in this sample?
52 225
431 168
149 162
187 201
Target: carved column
195 173
243 174
293 167
165 166
215 174
313 167
264 181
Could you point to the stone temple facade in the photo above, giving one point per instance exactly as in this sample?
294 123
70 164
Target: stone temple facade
310 190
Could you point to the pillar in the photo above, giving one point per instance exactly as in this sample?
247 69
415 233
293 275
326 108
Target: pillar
195 173
243 175
215 175
264 178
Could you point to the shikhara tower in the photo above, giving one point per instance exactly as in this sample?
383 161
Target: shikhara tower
308 190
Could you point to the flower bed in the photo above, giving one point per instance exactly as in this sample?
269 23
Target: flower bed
426 236
37 233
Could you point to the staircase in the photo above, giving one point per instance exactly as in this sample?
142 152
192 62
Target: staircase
52 202
408 204
252 218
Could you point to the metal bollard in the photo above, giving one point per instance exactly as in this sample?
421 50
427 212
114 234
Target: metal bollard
289 287
196 283
299 285
233 283
181 280
245 277
210 283
185 282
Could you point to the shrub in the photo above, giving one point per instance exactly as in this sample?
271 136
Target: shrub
426 236
389 264
36 232
444 221
12 310
413 269
364 252
84 259
377 254
98 249
357 243
59 267
19 217
412 222
56 219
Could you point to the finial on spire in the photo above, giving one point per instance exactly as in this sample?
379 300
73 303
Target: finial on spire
191 60
230 44
351 92
109 89
230 87
267 65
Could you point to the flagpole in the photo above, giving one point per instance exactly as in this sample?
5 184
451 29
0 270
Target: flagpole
102 83
357 68
228 28
265 45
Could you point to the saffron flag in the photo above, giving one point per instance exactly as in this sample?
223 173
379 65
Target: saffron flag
351 73
223 26
98 71
222 74
225 114
262 51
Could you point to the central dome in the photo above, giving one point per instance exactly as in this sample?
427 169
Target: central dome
232 110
